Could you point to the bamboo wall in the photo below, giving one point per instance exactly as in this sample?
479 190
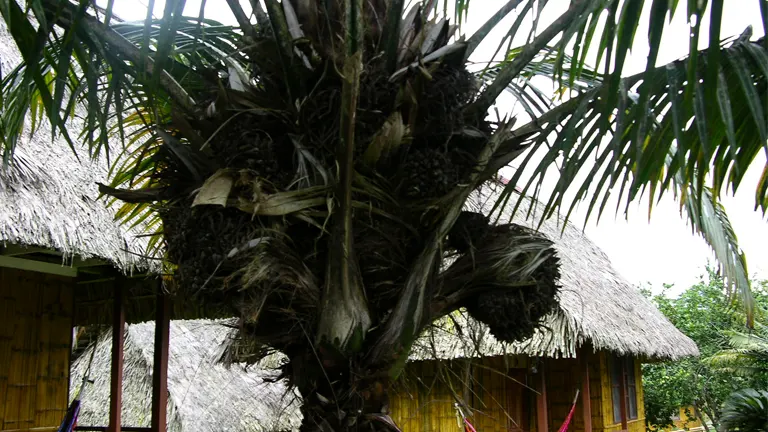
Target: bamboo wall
637 425
686 420
564 378
35 341
501 393
494 389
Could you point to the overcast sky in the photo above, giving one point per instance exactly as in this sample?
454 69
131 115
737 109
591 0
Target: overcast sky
662 250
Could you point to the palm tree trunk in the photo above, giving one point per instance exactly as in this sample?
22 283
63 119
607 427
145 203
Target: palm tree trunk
341 394
699 416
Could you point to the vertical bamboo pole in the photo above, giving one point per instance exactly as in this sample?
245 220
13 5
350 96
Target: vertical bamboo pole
586 398
160 366
118 341
542 416
623 393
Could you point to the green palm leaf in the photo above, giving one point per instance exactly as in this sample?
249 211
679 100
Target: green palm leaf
747 355
745 410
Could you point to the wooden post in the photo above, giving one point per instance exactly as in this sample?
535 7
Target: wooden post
542 416
116 380
623 393
160 366
586 398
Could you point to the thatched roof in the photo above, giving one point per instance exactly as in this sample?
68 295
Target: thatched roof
597 306
49 197
203 395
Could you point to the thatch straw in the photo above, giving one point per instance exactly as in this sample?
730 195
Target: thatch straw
597 305
203 395
48 197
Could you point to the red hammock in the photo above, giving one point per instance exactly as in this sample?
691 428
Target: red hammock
569 418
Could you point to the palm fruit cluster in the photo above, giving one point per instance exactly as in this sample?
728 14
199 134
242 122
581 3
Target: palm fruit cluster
429 173
514 314
469 231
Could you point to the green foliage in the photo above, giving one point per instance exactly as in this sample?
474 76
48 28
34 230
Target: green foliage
705 315
745 410
747 355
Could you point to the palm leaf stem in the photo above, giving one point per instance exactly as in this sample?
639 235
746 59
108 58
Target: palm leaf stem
242 19
510 71
261 16
391 34
479 36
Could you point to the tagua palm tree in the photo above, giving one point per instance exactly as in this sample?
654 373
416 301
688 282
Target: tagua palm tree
307 170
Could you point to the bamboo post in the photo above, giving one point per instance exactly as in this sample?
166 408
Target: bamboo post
586 398
160 366
542 416
116 380
623 394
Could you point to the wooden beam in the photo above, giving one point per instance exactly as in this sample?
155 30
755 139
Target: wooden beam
15 250
542 416
160 366
37 266
118 341
623 393
586 398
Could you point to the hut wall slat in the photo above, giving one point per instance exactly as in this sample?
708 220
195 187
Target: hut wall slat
7 312
36 317
423 400
596 391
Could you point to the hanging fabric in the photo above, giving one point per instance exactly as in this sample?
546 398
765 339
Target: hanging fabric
69 422
569 418
468 426
70 419
461 420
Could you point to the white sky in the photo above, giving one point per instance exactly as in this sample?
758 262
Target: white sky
662 250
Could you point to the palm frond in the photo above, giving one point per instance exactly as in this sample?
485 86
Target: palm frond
550 66
745 410
747 355
572 133
577 11
709 218
97 82
592 168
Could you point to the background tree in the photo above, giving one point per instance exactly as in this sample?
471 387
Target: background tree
706 316
746 356
307 171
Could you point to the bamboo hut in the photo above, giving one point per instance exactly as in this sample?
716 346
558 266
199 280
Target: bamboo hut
594 343
58 247
203 395
65 262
